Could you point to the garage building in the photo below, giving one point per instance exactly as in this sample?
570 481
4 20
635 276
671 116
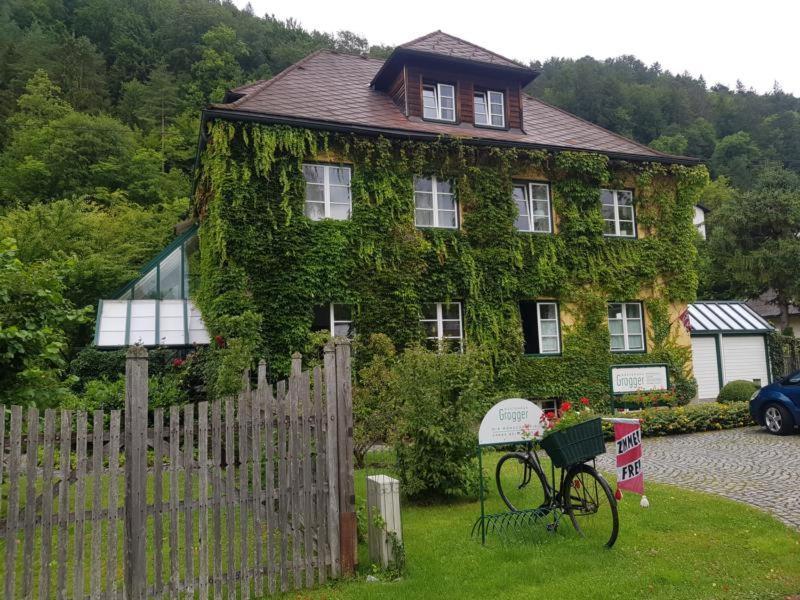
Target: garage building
729 341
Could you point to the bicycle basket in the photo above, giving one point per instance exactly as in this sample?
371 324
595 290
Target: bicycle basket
575 444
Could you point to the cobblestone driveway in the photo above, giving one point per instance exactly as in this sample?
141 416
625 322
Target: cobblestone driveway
744 464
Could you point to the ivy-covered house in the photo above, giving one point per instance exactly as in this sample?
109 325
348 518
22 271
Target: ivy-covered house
428 197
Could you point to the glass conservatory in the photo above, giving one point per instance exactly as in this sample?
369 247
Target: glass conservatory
155 309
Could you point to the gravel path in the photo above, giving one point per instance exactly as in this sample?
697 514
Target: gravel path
745 464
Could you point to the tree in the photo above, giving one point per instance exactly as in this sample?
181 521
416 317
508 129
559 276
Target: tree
671 144
737 157
81 72
700 138
218 68
109 243
55 151
753 240
34 319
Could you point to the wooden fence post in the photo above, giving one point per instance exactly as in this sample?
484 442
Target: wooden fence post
135 472
347 498
332 457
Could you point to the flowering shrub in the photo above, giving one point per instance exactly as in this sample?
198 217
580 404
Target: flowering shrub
687 419
644 399
568 414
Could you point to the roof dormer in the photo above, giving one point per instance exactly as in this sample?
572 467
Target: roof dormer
442 78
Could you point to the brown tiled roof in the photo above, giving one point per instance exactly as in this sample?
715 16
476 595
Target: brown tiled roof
450 46
765 306
328 89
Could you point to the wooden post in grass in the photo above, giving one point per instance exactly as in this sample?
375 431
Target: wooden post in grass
332 457
135 472
347 498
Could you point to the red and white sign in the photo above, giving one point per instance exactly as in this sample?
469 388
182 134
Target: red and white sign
628 439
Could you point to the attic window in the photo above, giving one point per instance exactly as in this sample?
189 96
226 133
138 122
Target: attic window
439 102
489 109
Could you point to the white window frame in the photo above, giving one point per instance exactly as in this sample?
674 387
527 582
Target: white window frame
617 220
624 320
539 327
487 101
435 203
326 187
529 202
334 322
439 320
437 97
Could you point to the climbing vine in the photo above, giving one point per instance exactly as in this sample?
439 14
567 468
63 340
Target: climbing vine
264 265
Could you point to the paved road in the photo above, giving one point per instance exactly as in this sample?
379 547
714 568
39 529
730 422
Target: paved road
744 464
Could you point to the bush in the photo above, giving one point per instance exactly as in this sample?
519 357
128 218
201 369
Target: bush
92 363
374 405
685 389
688 419
641 400
438 397
166 390
739 390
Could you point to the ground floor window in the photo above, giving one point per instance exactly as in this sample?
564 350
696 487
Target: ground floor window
541 330
336 318
547 404
626 326
442 324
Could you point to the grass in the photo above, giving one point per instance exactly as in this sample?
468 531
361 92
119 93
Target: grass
686 545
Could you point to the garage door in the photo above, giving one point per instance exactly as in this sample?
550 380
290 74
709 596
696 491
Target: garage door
704 360
744 357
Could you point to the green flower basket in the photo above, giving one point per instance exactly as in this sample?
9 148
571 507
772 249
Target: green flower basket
575 444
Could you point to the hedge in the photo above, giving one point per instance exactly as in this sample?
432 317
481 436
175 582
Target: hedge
738 390
689 419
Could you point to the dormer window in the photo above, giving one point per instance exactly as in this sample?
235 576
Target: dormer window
439 102
489 109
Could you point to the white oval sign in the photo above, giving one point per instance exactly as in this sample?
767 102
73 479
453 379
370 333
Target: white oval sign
511 421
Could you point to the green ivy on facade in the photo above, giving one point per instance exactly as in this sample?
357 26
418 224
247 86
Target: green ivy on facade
264 265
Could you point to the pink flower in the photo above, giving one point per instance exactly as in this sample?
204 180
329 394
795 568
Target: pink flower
177 362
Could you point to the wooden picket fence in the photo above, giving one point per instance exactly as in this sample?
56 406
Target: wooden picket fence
237 498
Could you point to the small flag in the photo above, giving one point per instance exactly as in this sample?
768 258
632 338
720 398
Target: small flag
684 317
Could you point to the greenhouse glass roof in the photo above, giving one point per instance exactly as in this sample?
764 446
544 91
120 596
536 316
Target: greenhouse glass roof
154 309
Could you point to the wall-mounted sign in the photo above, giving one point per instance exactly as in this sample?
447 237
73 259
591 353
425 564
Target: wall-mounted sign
627 379
511 421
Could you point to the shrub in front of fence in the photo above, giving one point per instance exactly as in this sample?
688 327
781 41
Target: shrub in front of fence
439 397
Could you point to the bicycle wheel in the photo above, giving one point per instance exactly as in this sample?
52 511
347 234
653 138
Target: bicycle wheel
521 484
591 506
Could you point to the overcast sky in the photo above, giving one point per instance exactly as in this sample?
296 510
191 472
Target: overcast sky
723 41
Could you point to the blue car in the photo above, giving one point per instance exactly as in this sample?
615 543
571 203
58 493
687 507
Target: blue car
777 406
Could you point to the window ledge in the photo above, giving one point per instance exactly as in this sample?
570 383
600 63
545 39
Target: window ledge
445 121
495 127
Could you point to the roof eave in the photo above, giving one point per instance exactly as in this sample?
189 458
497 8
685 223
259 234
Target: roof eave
524 74
318 124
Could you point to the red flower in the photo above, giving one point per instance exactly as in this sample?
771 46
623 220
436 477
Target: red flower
220 341
585 401
177 362
566 406
550 415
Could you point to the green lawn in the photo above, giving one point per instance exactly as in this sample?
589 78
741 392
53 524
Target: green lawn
686 545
